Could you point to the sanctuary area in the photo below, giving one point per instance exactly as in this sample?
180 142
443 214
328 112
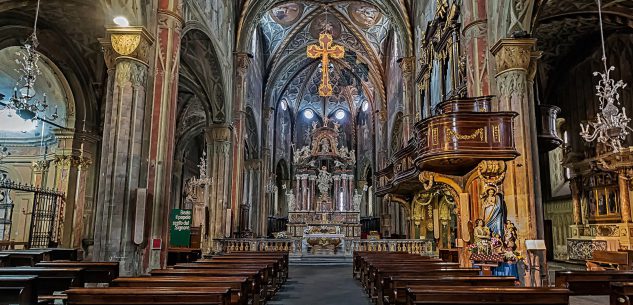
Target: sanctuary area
316 152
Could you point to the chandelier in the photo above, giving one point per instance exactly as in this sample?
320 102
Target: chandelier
24 100
610 127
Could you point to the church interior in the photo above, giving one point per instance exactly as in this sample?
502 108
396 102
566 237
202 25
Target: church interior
316 152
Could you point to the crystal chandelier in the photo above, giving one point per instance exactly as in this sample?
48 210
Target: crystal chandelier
610 126
24 100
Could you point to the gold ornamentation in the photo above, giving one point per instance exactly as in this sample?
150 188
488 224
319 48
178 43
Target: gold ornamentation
125 44
496 134
492 172
325 50
479 133
132 42
427 179
511 54
434 133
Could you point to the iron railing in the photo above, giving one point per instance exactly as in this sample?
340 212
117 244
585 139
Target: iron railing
46 214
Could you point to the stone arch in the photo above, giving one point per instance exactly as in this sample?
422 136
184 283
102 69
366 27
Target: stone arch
201 69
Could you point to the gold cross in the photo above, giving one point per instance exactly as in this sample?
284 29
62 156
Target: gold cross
325 49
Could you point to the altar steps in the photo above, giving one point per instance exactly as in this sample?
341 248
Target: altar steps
320 260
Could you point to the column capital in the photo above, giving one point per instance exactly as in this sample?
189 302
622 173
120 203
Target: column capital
243 61
218 133
407 65
128 42
40 166
513 54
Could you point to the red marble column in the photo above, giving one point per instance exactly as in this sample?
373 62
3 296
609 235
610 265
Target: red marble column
242 62
475 43
163 125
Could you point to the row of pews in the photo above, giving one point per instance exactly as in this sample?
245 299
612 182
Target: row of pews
231 279
237 279
401 278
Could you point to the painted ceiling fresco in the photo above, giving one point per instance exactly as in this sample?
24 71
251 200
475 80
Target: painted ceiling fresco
288 29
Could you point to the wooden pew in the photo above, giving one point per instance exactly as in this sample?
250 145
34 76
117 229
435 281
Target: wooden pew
94 272
279 261
487 295
18 289
377 278
49 280
610 260
275 270
621 293
4 260
269 276
258 288
240 289
63 254
395 287
147 295
26 257
591 282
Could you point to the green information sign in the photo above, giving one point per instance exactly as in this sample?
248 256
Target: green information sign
180 228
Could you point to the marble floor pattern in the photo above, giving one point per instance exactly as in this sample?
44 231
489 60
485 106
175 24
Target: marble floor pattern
334 285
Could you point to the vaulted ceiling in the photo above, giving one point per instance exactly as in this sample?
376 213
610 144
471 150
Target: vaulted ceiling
364 28
566 27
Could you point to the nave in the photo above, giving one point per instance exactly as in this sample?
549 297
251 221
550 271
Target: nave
54 276
320 285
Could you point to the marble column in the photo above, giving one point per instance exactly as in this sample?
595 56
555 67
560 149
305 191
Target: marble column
337 189
298 202
163 126
219 159
521 187
313 198
407 65
475 43
304 190
122 165
242 62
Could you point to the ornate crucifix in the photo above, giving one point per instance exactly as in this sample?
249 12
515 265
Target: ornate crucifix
325 49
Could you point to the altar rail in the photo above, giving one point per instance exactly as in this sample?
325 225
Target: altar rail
259 245
294 246
413 246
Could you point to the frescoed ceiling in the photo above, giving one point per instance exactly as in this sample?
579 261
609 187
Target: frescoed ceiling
288 28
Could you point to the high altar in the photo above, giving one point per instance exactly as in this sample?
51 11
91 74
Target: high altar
323 200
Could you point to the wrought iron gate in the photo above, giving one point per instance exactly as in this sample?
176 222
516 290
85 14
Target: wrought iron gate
45 214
